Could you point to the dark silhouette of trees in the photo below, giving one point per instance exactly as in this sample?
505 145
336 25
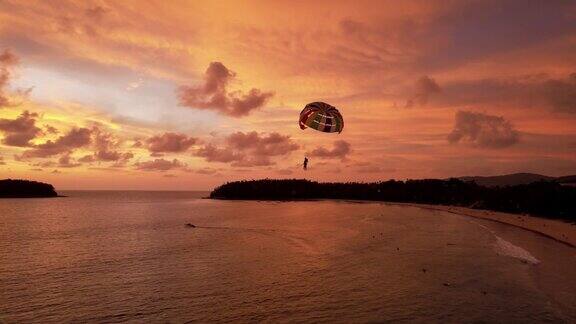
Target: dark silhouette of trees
25 189
546 199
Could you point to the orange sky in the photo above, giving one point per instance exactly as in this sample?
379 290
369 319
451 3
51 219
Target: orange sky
190 94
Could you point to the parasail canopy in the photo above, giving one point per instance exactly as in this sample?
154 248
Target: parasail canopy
322 117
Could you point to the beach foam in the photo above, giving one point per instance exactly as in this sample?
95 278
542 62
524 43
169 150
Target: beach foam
505 248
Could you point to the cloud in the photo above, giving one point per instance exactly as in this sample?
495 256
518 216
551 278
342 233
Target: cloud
137 143
160 165
538 91
271 144
75 138
213 94
106 146
2 161
339 151
88 23
7 61
424 88
170 142
560 94
249 149
214 154
208 171
65 161
482 130
50 129
253 161
20 131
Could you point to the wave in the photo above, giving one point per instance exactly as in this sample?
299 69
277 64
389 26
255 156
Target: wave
505 248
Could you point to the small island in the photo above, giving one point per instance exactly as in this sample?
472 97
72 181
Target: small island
542 198
11 188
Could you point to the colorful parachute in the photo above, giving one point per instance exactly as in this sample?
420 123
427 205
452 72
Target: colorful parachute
322 117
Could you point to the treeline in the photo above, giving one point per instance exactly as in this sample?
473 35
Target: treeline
25 189
547 199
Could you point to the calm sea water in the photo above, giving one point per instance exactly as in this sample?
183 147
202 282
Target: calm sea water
110 257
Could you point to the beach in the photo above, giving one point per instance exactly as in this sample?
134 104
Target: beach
556 229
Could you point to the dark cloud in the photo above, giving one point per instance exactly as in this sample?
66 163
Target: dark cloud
160 165
482 130
249 149
2 161
170 142
480 29
560 94
75 138
339 151
213 94
65 161
424 88
538 91
20 131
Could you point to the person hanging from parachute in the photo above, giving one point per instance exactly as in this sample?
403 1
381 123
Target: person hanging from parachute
321 117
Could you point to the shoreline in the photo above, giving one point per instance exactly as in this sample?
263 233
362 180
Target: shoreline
560 231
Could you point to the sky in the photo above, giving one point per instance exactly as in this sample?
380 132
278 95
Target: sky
187 95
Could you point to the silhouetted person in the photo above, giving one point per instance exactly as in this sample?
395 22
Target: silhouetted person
305 164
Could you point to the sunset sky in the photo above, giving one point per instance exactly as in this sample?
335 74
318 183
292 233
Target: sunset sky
190 94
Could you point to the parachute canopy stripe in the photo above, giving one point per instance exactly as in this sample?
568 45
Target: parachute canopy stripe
322 117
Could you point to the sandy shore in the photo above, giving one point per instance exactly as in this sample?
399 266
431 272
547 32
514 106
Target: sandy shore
555 229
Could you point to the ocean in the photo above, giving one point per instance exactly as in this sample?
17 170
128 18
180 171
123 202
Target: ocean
113 256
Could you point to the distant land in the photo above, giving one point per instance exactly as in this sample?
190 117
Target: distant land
542 198
25 189
518 179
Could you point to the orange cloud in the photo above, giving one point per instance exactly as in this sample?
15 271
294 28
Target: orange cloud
170 142
75 138
160 165
340 150
214 95
20 131
425 87
249 149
